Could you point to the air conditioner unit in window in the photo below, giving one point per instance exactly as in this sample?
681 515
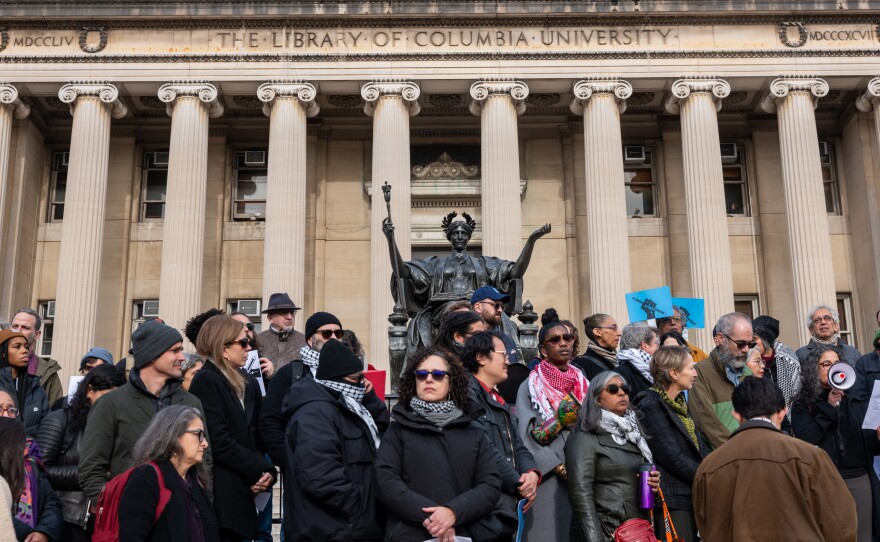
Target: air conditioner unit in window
50 310
160 158
633 154
151 308
729 153
255 158
251 307
65 159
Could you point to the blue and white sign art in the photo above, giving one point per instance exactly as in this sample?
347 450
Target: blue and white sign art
693 311
649 304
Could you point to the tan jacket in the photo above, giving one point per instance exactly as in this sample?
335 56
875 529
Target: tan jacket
763 485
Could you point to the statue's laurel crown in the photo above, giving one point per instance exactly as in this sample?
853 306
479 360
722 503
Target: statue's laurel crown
448 221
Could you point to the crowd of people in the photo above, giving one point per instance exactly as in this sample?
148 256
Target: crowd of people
639 434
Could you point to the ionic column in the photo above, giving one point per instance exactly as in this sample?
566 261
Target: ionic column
287 105
498 103
183 241
10 107
698 101
391 104
601 102
865 103
82 233
794 101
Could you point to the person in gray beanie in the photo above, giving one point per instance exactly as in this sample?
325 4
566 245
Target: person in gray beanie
119 419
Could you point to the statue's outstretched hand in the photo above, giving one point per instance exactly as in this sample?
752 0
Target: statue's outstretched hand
541 232
388 227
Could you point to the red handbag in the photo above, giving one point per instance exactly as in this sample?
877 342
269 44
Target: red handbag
635 530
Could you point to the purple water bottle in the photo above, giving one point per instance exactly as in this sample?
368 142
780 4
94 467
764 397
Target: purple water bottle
646 496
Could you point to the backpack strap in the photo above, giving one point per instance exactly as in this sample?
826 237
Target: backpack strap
164 492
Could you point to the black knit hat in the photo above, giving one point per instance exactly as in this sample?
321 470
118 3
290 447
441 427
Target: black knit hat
150 340
767 328
336 361
320 319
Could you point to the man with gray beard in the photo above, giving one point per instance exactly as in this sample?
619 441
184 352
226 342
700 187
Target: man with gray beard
709 400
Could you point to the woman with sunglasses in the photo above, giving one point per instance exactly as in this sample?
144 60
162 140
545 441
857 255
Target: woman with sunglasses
435 470
232 402
174 444
603 336
673 436
546 409
603 457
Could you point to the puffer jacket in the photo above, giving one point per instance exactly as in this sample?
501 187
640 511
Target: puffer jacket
36 404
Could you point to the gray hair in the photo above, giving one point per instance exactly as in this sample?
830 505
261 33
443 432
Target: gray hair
590 415
38 322
190 360
4 325
633 335
834 314
159 441
727 322
665 360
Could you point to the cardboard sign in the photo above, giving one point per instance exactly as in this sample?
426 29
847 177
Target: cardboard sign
692 309
649 304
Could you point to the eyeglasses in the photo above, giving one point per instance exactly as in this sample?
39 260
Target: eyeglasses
614 388
614 327
556 339
200 433
827 318
675 318
12 410
359 378
244 343
498 306
826 365
740 344
327 333
502 352
436 374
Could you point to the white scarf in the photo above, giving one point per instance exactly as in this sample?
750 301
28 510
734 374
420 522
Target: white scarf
310 359
640 359
625 428
354 396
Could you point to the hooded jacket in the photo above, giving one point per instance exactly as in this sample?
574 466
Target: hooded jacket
415 470
330 479
35 406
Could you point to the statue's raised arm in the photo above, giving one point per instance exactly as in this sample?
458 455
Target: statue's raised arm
397 262
522 263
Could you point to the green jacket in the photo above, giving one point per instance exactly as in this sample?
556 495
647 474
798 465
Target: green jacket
116 422
47 371
709 401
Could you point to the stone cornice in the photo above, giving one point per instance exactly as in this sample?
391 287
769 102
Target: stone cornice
783 86
481 90
407 90
584 89
682 88
9 96
868 100
305 92
105 92
205 92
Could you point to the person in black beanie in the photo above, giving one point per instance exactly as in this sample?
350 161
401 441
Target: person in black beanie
780 361
331 444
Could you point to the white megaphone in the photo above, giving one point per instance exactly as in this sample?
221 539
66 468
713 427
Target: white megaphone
842 376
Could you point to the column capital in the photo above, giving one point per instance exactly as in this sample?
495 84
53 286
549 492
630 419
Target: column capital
481 90
407 90
205 92
783 86
305 92
9 96
105 92
585 88
683 88
868 101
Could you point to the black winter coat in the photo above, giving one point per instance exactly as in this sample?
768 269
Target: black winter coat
60 451
36 404
233 440
592 364
137 507
49 519
330 479
675 454
633 377
421 465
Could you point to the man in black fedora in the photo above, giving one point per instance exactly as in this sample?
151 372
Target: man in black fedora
280 343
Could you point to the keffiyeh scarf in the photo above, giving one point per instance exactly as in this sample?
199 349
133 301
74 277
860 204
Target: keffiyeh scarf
310 358
548 386
440 414
625 428
354 397
27 504
640 359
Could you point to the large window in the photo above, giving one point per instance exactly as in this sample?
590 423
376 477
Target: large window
59 186
640 180
829 178
155 185
736 188
47 315
251 174
250 307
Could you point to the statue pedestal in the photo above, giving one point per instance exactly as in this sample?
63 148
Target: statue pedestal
528 332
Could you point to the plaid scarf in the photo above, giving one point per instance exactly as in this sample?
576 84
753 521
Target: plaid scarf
354 397
310 358
680 407
548 386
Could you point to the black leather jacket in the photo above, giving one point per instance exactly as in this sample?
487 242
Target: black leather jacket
60 451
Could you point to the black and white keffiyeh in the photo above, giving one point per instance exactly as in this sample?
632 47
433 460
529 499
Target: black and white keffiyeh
439 414
354 397
310 358
640 359
625 428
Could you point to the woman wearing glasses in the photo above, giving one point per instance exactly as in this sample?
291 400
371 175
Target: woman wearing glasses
435 470
546 408
603 336
603 457
174 444
232 401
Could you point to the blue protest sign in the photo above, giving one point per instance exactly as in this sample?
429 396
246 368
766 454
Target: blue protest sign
692 309
649 304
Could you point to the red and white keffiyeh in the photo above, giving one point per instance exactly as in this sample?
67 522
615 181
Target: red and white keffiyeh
548 386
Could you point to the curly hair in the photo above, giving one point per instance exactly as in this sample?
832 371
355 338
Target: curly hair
194 324
103 377
458 378
811 387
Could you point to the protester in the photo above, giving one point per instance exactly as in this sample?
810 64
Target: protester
603 457
676 324
489 303
709 399
60 439
330 448
825 417
432 425
486 359
780 362
867 370
38 514
603 336
350 340
29 323
94 357
118 420
638 342
755 366
281 343
672 338
232 403
192 364
673 436
765 485
30 398
267 368
823 322
456 328
175 442
546 408
576 359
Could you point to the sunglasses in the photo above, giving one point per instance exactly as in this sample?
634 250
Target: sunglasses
436 374
249 326
556 339
327 333
200 433
358 378
614 388
740 344
244 343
